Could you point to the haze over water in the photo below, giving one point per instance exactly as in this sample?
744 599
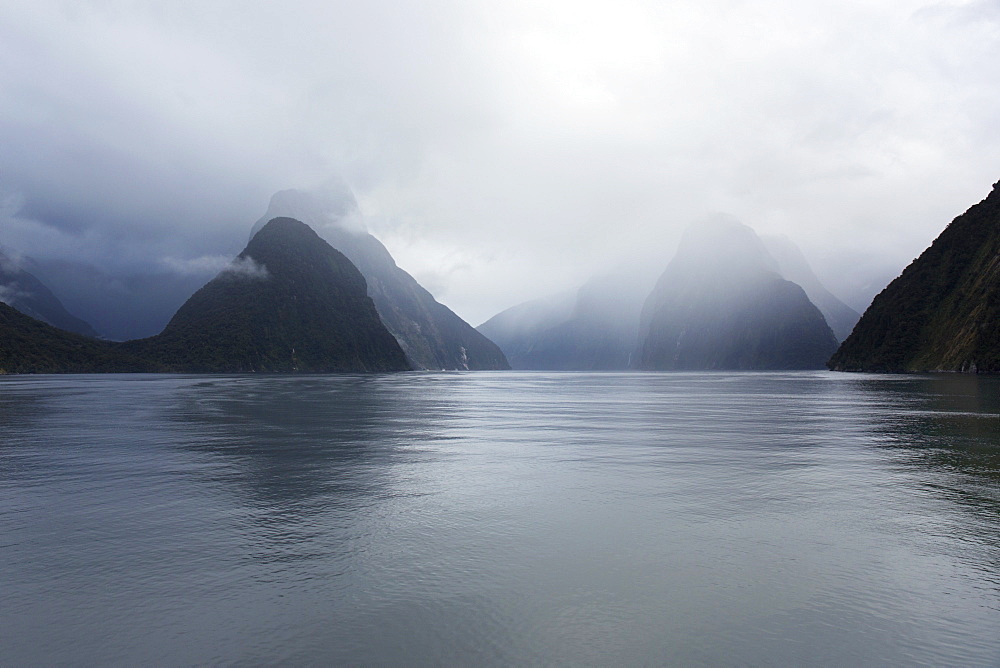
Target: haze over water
500 518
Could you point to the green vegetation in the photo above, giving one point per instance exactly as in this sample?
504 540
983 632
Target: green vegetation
432 336
31 346
289 303
943 312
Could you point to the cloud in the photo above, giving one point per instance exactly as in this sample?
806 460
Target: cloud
976 11
246 267
213 265
11 262
10 294
204 265
539 142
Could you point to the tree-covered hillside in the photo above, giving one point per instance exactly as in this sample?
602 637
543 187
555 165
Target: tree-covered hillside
943 312
288 303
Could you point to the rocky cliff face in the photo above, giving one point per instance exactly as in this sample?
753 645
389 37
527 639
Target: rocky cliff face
432 336
943 312
721 304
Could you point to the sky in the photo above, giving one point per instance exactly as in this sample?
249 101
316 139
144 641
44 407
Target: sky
501 150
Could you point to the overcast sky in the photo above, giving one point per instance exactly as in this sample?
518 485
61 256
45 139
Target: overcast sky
499 149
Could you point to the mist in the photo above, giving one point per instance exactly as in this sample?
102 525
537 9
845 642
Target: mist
722 303
501 153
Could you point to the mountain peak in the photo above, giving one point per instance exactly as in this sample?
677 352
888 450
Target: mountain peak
727 243
432 336
332 206
285 226
288 303
721 304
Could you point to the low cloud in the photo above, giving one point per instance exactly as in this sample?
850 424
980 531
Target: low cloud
11 262
247 267
205 265
543 142
9 294
214 265
353 222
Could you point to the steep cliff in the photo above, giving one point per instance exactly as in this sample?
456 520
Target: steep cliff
943 312
432 336
288 303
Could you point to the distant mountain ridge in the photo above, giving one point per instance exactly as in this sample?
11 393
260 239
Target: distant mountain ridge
431 335
943 312
592 329
119 306
793 266
24 291
598 326
721 304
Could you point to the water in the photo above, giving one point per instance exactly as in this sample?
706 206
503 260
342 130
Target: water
500 518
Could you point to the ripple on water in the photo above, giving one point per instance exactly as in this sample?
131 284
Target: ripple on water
500 518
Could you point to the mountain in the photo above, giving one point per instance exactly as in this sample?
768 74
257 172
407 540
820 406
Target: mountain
596 328
288 303
28 345
593 329
120 306
943 312
721 304
793 266
518 329
23 291
432 336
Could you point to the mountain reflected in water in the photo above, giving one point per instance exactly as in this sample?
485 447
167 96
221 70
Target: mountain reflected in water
292 442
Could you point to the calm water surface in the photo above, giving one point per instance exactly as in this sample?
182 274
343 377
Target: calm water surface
500 518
